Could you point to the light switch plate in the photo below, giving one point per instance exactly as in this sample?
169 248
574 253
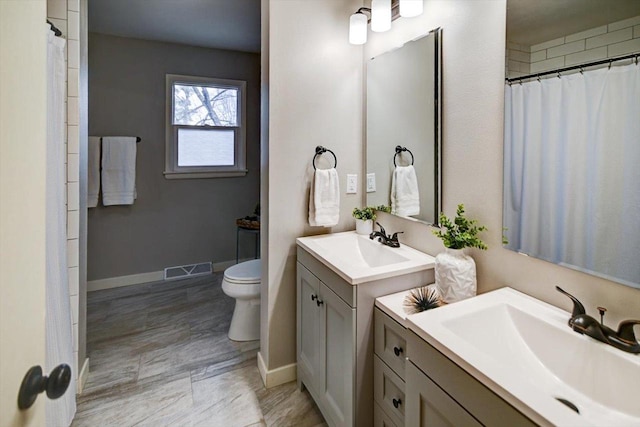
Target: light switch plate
371 182
352 183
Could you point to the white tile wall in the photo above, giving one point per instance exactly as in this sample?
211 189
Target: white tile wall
606 41
65 16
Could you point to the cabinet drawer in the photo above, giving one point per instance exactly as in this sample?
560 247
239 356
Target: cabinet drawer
380 419
390 342
388 391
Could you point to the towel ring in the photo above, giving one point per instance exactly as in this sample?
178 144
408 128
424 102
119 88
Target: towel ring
321 150
399 150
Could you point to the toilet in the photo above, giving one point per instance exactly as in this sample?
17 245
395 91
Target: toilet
242 282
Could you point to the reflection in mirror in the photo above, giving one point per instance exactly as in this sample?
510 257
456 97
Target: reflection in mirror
403 129
572 126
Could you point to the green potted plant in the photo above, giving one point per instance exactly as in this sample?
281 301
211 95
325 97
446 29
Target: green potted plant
455 271
366 216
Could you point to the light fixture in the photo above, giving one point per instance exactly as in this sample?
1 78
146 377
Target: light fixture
410 8
358 26
382 12
380 15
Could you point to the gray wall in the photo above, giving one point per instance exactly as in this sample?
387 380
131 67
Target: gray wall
172 222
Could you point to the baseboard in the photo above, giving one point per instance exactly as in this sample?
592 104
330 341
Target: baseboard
153 276
275 377
132 279
83 376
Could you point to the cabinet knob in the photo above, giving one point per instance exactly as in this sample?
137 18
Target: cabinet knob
397 350
396 403
319 302
314 297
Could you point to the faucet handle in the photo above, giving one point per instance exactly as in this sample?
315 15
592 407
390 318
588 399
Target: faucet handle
395 236
625 330
382 230
578 308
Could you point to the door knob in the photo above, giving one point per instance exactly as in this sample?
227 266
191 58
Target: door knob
397 350
397 403
319 302
35 383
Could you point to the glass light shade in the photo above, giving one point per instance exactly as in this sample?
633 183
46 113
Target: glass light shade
410 8
380 15
358 28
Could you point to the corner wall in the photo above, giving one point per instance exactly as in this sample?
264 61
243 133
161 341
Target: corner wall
473 105
314 81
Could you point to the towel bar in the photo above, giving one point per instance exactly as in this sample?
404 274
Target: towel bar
321 150
399 150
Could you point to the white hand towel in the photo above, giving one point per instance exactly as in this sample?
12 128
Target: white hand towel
405 199
118 170
93 172
324 200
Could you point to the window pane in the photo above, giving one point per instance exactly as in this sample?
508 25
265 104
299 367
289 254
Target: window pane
204 105
205 147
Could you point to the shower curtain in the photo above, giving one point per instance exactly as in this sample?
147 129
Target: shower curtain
59 343
572 171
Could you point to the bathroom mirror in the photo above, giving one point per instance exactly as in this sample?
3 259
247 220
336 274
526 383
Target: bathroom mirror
571 152
404 110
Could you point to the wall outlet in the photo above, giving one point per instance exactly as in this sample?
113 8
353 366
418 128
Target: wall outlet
352 184
371 182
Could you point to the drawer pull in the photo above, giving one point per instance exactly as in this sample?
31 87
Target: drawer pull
397 403
319 302
314 297
397 350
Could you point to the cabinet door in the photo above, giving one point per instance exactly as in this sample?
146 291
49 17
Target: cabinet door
338 360
429 406
308 331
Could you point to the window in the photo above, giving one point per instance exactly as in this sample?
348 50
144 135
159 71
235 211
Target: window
205 134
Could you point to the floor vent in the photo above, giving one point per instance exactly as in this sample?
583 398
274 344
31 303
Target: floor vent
192 270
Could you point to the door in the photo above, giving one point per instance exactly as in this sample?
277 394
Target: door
308 325
22 202
429 406
338 356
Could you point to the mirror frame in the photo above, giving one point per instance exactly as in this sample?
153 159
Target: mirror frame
437 128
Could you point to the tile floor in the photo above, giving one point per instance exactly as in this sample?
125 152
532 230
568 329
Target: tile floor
159 355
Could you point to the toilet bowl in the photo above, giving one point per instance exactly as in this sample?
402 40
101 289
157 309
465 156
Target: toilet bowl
242 282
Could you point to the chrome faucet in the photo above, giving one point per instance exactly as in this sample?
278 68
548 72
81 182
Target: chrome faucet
624 339
391 241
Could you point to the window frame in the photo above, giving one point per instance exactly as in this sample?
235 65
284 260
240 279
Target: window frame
171 169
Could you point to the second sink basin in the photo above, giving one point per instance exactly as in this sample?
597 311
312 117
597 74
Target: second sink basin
524 350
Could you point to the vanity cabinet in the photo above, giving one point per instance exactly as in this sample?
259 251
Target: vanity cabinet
389 370
440 393
335 338
326 347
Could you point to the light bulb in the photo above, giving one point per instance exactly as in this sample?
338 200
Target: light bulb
358 28
380 15
410 8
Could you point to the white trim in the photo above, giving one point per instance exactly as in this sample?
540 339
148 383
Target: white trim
116 282
83 376
275 377
152 276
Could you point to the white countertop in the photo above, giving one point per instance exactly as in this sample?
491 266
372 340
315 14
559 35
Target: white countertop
358 259
393 305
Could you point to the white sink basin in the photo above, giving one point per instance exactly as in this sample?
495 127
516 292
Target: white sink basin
524 350
358 259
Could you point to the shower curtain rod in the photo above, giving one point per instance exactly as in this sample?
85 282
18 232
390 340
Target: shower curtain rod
55 30
573 67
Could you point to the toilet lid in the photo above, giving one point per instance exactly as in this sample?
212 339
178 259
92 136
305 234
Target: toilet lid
245 272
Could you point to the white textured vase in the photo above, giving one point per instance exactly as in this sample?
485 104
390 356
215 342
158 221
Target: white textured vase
455 275
364 226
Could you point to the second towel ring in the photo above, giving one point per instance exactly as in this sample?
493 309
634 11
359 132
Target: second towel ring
321 150
399 150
